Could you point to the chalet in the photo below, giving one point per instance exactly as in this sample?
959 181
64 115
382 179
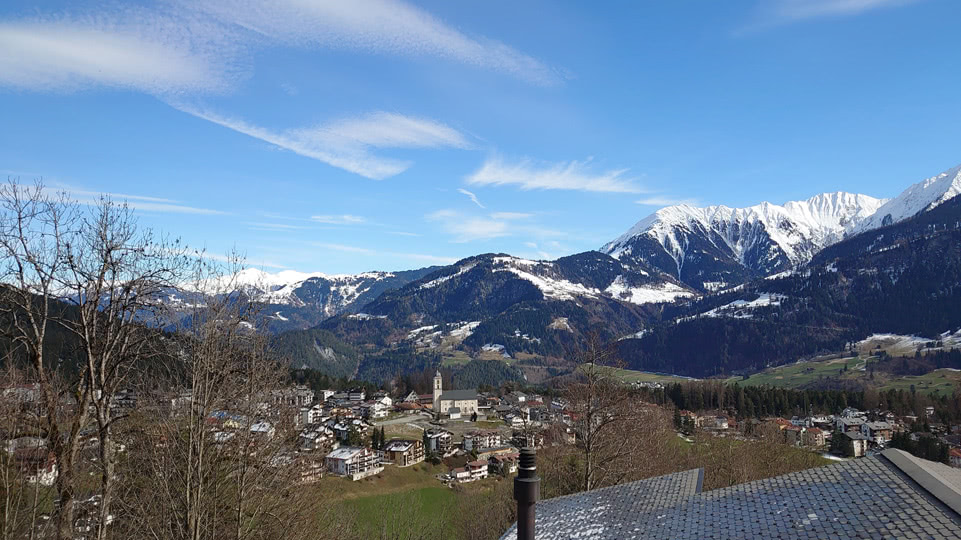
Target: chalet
324 395
382 398
846 424
477 439
353 462
460 474
357 394
503 463
298 396
857 444
478 469
814 437
312 415
262 430
310 469
440 441
713 422
792 435
851 412
343 427
412 397
316 437
404 452
426 401
522 438
877 432
406 406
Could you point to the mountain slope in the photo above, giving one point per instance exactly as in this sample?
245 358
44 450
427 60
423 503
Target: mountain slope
520 305
297 300
715 247
923 196
903 279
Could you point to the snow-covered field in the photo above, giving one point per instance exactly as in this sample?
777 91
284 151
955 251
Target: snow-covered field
662 292
902 344
741 309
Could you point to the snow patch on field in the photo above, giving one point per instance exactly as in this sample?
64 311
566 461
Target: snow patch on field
435 282
650 294
465 329
741 309
365 316
560 323
558 289
908 344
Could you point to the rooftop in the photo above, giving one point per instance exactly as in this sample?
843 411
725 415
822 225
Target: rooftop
459 395
894 495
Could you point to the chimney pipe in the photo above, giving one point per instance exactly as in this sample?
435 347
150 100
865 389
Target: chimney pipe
527 489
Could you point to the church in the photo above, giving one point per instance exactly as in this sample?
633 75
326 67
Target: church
453 402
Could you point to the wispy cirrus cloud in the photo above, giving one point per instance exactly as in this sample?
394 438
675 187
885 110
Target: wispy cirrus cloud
343 219
379 26
471 196
141 203
572 175
183 46
773 12
275 227
358 250
511 215
466 228
151 52
348 144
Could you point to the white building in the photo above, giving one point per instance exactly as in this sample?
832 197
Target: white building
353 462
463 400
476 440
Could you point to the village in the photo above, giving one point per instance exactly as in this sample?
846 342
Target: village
354 435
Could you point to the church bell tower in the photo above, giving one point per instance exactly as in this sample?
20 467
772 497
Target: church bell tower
438 390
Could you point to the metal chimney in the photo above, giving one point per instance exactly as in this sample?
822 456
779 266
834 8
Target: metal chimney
527 489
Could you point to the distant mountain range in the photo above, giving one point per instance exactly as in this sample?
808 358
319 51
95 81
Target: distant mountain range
678 274
297 300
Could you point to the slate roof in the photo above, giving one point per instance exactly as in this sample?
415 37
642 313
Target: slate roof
615 512
891 496
458 395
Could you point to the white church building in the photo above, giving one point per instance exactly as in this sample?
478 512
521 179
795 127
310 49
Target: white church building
453 403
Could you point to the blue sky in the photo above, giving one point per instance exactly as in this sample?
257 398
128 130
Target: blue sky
351 136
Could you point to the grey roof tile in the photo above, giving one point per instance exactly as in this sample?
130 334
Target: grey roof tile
864 498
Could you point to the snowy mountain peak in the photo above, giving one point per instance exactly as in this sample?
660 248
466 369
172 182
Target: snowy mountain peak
715 246
794 226
925 195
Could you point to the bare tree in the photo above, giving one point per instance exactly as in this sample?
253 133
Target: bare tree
19 418
113 275
601 408
35 228
216 439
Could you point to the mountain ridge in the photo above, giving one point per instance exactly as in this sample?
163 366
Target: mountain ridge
714 247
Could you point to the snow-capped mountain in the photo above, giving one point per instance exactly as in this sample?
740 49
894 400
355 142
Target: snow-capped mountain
519 304
921 197
297 300
717 246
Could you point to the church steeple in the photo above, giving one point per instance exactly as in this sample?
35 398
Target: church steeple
438 390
